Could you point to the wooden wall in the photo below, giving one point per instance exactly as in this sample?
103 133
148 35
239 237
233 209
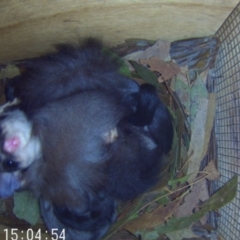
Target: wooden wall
29 28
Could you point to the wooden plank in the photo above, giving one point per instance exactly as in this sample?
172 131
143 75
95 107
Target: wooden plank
29 28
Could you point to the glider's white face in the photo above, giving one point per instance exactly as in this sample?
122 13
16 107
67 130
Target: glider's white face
17 143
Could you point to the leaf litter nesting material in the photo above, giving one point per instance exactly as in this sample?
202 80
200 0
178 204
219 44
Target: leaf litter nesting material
179 203
170 210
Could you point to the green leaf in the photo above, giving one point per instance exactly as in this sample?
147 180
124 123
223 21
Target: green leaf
163 198
124 69
148 235
182 234
147 75
223 196
175 182
26 207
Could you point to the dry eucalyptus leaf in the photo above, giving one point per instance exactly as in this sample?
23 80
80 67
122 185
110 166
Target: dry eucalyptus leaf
183 91
166 70
184 69
197 91
201 132
180 77
183 77
205 231
203 75
223 196
195 151
210 119
212 171
160 50
204 193
153 219
204 219
190 201
197 53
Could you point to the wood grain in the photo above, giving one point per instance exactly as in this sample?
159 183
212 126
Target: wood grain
29 28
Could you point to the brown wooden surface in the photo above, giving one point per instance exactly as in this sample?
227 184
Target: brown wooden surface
29 28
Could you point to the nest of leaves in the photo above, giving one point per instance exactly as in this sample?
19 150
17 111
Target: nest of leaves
178 206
